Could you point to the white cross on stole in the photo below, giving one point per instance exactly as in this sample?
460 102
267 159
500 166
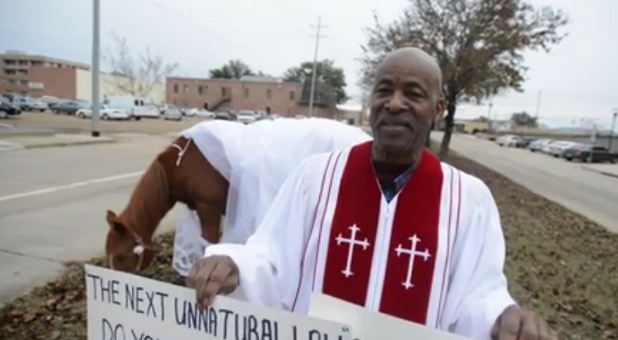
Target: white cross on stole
413 253
352 241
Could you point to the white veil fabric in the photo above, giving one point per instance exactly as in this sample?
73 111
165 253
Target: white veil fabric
256 159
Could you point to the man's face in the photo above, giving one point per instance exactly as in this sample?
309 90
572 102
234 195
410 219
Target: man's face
404 103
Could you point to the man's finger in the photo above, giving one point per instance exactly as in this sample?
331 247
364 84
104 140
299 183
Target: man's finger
530 328
545 332
211 289
192 277
510 326
202 277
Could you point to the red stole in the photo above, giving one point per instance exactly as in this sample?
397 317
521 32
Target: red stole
416 220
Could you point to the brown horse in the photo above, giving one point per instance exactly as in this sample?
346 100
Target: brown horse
178 174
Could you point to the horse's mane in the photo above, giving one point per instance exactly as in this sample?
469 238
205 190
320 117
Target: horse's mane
150 200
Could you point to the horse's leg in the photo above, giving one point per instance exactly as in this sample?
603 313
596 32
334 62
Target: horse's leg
210 219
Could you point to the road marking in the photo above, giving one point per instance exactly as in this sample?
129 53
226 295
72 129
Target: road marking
70 186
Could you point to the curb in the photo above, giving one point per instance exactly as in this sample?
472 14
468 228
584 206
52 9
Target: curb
609 174
63 144
604 173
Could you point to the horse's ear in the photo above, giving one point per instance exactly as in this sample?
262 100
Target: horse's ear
115 224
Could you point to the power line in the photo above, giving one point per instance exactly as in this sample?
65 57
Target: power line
183 18
315 63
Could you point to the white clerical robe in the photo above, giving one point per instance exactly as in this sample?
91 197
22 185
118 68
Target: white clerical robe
255 159
434 255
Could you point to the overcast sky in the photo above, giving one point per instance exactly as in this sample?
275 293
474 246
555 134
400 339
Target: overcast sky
579 79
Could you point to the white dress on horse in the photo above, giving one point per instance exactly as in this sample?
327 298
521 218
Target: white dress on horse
255 159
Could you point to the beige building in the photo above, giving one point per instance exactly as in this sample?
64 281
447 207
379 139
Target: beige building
112 85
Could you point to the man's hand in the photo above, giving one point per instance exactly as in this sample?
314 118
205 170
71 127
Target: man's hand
211 276
518 324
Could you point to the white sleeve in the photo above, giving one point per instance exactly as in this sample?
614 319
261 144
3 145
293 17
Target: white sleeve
478 291
270 261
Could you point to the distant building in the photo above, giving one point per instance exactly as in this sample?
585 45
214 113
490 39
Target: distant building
37 75
256 93
501 125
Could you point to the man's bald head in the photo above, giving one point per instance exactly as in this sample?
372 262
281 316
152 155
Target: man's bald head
415 57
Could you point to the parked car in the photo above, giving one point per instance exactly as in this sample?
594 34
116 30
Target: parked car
538 145
7 108
18 100
222 115
584 153
508 140
137 107
555 148
38 105
172 113
246 117
524 142
105 112
69 107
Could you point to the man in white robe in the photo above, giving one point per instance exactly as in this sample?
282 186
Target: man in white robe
384 225
255 159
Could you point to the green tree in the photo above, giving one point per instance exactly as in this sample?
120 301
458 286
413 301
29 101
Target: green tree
325 71
479 45
234 69
523 119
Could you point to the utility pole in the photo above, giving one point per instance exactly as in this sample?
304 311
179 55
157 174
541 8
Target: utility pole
315 64
491 121
611 136
94 72
538 104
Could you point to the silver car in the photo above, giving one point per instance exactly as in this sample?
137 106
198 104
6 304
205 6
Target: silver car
172 113
246 117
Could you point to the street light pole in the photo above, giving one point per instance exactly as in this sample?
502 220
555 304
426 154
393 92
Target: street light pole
96 42
611 136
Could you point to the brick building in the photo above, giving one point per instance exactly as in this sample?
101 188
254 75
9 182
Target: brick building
250 93
36 75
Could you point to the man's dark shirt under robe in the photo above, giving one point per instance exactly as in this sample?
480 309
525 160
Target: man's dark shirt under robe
392 177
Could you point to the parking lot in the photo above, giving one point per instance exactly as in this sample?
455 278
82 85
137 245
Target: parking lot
570 184
65 123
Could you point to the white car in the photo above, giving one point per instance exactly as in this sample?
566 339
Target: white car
172 113
539 144
508 140
203 114
555 148
38 105
105 112
246 117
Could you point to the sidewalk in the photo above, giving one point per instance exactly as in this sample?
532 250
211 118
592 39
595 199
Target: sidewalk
603 169
47 141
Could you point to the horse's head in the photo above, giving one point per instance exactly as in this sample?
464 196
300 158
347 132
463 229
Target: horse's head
126 251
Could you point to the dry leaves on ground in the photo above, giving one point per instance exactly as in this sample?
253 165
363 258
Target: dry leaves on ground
559 264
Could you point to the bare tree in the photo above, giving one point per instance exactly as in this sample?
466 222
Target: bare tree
479 45
135 75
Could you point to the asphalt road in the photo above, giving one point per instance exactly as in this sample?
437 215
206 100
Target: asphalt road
588 193
53 203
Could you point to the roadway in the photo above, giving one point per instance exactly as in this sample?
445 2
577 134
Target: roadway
583 191
53 203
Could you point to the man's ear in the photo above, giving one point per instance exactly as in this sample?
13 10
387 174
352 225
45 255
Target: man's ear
440 109
115 224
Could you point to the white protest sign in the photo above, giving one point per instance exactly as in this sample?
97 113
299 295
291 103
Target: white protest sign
128 307
367 325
